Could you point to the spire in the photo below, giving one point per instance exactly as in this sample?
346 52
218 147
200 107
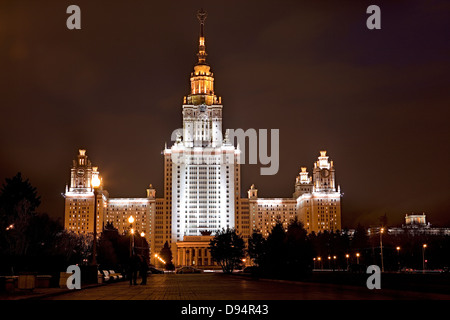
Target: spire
201 16
202 79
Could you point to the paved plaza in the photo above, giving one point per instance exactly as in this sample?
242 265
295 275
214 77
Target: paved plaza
216 286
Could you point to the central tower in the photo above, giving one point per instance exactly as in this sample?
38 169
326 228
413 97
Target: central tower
202 174
202 109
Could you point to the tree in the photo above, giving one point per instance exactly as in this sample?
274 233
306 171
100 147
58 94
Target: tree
22 230
360 240
256 247
107 247
141 247
166 255
15 194
285 253
67 243
274 261
299 249
360 243
227 249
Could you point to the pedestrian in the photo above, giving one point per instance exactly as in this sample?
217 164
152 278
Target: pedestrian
133 267
144 270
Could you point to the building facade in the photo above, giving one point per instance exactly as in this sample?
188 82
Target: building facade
194 251
202 186
79 197
79 205
415 225
316 202
202 167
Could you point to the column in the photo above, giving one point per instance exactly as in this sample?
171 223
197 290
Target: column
196 256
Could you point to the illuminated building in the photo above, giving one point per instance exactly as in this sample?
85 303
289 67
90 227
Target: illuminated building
194 251
79 197
415 225
79 204
316 202
202 186
202 174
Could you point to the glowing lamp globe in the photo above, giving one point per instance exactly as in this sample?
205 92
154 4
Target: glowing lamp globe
95 181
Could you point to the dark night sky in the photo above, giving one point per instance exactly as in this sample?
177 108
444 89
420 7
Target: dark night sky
378 101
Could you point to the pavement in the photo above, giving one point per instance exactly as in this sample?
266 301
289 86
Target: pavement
40 293
217 286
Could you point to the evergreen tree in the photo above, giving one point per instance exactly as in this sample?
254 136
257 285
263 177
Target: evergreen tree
227 249
256 247
274 261
299 249
17 195
166 255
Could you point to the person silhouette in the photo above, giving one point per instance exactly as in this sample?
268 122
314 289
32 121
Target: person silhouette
133 267
143 270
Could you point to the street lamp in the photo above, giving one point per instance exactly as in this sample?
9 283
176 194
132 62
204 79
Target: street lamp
357 258
131 220
142 242
398 257
95 183
381 248
347 256
320 261
423 256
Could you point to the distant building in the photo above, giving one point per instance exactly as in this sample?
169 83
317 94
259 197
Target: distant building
415 224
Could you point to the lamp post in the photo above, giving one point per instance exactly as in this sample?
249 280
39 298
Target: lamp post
142 242
423 256
357 258
398 257
131 220
320 262
381 249
95 183
347 256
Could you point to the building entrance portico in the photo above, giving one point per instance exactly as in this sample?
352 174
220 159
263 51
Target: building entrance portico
194 251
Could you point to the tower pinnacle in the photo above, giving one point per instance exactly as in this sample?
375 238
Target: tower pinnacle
201 16
202 79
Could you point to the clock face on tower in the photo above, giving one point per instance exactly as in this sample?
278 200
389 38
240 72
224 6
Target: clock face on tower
325 173
80 172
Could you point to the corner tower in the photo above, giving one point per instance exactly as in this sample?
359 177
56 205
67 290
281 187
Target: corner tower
79 197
